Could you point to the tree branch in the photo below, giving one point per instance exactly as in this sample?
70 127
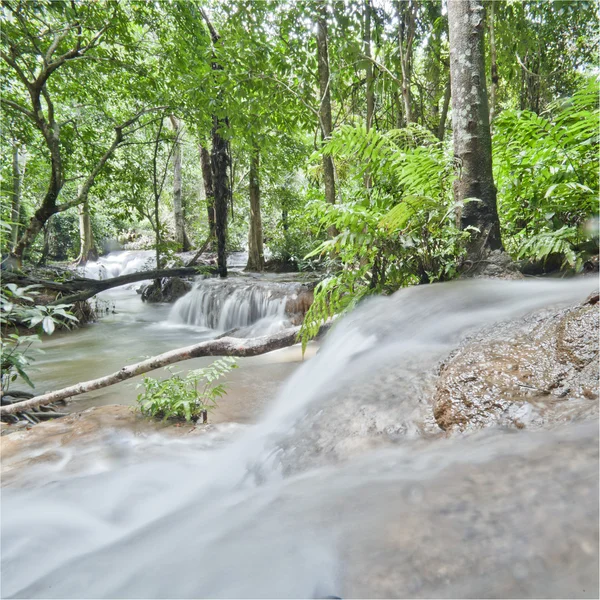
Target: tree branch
225 346
18 107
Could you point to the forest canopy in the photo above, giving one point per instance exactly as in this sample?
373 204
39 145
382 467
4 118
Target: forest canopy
313 134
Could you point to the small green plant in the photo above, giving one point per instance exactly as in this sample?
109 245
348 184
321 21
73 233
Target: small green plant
17 310
189 397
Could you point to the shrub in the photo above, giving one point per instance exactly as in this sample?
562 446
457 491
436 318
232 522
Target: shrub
189 397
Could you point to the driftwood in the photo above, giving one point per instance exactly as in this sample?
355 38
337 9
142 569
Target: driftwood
82 288
223 346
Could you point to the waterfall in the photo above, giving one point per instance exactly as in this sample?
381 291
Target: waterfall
235 303
119 263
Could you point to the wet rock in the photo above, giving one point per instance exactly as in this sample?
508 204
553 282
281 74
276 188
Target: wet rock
534 373
32 453
495 265
169 290
297 305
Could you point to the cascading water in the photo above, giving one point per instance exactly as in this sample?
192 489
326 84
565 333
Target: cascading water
297 507
235 303
119 263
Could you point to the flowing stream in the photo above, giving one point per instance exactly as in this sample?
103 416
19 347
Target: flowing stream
343 487
133 330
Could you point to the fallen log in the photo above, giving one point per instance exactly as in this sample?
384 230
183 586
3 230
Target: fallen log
223 346
91 287
82 288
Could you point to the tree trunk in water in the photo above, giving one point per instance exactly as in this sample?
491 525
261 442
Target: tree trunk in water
442 126
209 191
16 194
87 248
224 346
220 162
256 260
325 103
494 63
180 236
471 126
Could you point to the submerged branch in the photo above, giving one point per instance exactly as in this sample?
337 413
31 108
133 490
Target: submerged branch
224 346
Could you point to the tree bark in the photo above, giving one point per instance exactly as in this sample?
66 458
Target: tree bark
494 63
225 346
220 162
16 194
471 127
88 250
325 103
406 12
256 260
181 238
369 67
209 191
444 115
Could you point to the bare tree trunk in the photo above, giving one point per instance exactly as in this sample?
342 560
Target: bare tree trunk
325 102
87 248
180 236
368 78
406 12
220 161
225 346
442 126
16 194
369 67
471 126
494 62
256 260
209 191
155 189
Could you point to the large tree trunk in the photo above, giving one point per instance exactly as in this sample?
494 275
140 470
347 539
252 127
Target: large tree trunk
471 126
225 346
209 191
220 162
180 236
256 260
88 250
325 102
494 63
16 194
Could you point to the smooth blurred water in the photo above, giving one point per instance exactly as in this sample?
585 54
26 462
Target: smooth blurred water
497 514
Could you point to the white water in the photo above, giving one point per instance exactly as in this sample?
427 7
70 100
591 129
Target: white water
494 515
118 263
235 303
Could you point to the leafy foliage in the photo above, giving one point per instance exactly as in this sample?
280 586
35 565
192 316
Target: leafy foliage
188 397
547 176
17 309
399 231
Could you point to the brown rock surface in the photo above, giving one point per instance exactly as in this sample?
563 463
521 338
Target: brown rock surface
534 373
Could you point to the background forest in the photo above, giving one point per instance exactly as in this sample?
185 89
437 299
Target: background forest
317 135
